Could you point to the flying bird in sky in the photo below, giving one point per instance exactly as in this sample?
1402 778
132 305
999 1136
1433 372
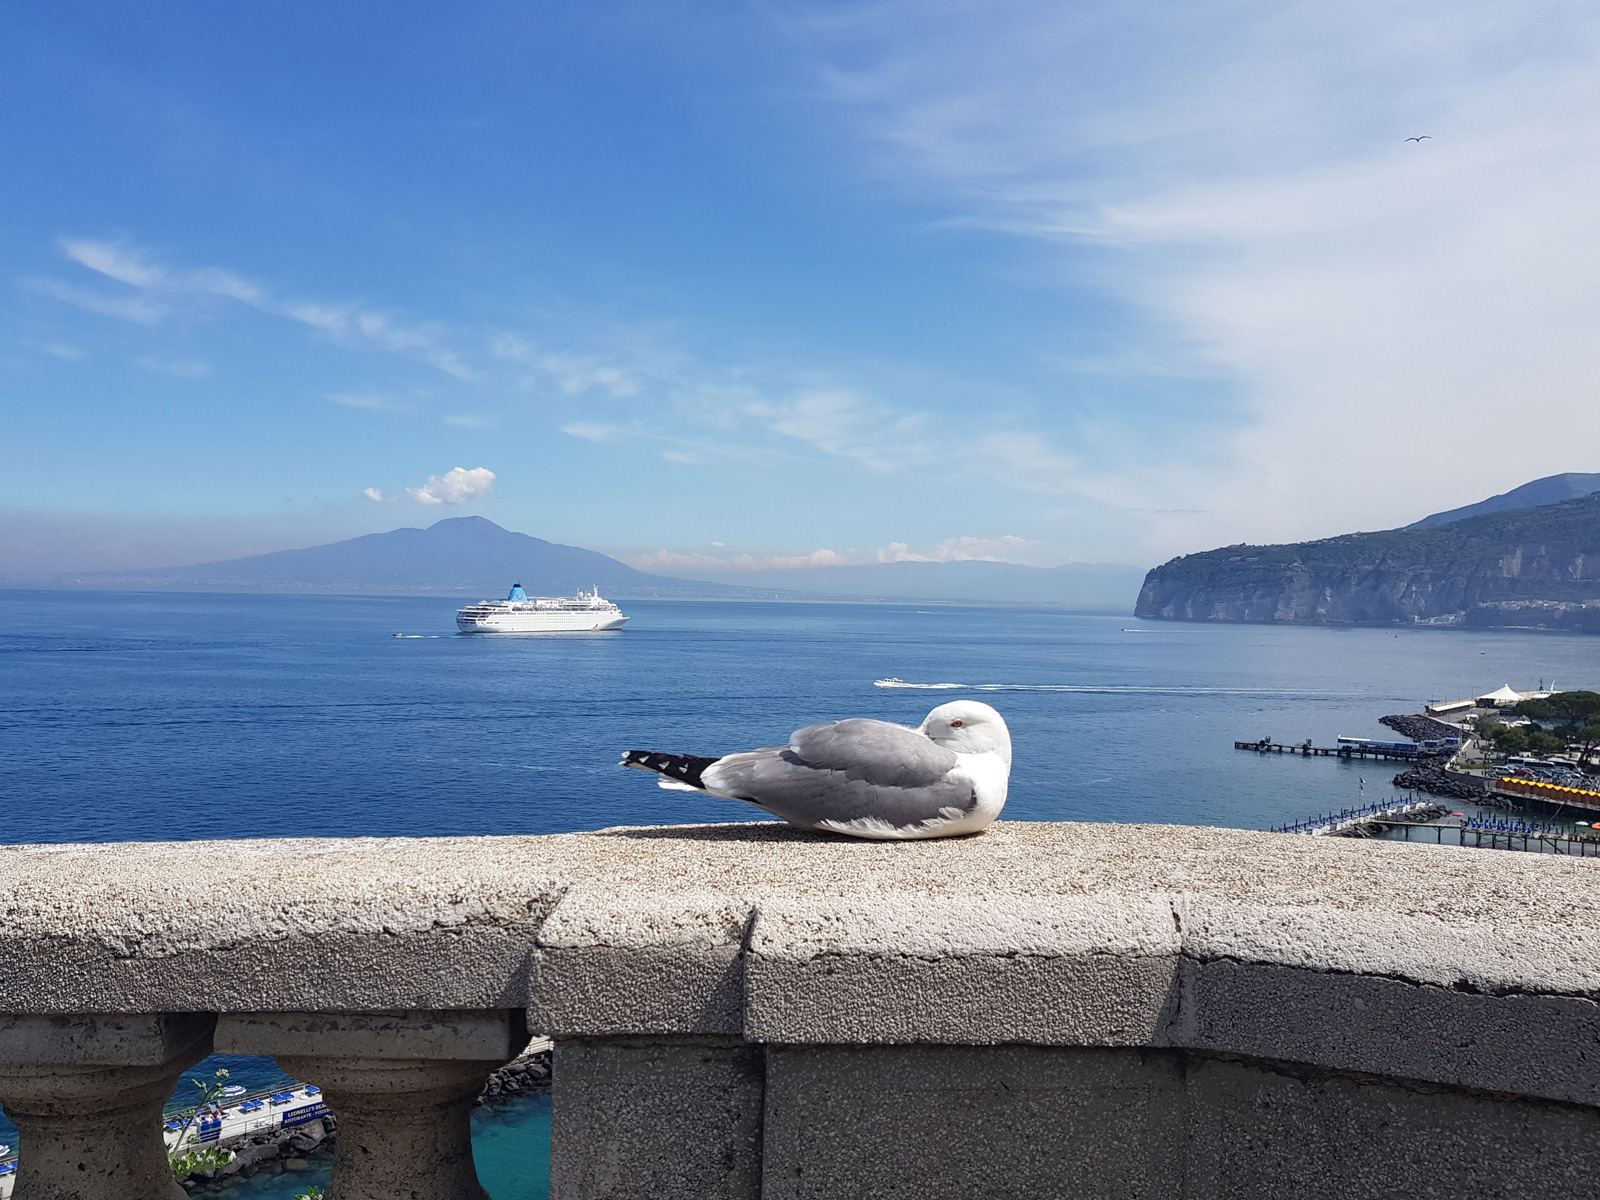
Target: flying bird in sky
1427 137
866 778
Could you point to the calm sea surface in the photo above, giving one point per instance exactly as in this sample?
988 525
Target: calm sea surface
154 716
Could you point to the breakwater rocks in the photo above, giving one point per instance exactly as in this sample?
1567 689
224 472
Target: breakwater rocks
1420 728
1378 826
273 1152
530 1073
299 1148
1436 781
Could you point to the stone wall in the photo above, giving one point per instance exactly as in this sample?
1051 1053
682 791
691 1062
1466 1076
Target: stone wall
743 1011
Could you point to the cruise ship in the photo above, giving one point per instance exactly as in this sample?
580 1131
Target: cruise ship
587 612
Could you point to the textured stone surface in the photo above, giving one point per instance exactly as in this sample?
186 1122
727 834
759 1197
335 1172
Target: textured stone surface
389 921
1263 1134
918 1123
1060 1000
103 1039
85 1093
401 1083
1531 1045
405 1126
492 1035
1051 971
671 1120
620 961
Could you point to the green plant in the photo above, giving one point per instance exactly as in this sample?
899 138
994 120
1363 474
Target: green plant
210 1093
311 1193
208 1159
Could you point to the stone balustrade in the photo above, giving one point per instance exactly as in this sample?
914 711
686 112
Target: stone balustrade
744 1011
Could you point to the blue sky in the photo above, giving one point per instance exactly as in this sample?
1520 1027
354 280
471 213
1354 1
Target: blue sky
703 284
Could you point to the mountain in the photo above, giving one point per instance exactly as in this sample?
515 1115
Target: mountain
459 555
1552 489
1526 567
474 556
1082 586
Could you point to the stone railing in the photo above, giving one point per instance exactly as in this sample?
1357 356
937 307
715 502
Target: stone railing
743 1011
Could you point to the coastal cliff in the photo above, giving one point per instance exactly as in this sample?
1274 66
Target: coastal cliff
1530 568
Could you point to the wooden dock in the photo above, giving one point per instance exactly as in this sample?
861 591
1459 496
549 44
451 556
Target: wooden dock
1307 750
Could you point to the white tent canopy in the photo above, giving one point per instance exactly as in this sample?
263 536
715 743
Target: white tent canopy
1503 696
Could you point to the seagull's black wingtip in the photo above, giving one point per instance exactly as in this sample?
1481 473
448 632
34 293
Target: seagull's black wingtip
684 767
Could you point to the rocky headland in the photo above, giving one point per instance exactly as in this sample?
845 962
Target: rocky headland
1533 568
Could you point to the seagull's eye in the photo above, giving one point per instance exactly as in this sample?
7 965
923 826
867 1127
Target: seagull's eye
955 724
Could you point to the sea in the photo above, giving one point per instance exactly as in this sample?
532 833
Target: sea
159 715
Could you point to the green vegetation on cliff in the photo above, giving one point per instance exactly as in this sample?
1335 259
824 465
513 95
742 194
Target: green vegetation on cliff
1534 567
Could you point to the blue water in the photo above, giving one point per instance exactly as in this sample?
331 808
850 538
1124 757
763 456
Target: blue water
158 715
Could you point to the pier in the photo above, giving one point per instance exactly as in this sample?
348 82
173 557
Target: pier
1489 833
1349 820
1307 750
1504 835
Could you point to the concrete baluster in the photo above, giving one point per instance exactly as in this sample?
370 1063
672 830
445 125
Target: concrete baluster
86 1090
400 1084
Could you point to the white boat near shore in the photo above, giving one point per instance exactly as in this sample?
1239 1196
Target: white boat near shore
587 612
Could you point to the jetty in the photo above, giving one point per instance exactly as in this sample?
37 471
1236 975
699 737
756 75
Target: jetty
1387 750
1348 821
1490 834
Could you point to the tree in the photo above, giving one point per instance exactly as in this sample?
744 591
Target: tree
1570 709
1520 739
1589 737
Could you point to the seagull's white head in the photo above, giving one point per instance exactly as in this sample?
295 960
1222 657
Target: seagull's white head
968 727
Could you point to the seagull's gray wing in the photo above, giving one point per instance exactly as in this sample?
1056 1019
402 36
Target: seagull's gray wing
847 771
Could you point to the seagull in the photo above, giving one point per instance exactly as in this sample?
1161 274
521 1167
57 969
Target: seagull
864 778
1427 137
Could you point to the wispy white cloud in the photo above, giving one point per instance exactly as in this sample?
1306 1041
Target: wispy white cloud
594 431
1240 174
371 401
141 310
62 350
669 560
468 421
572 373
159 288
1006 548
114 261
456 486
177 367
373 494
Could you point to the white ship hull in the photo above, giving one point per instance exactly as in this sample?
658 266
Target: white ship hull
587 612
540 622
